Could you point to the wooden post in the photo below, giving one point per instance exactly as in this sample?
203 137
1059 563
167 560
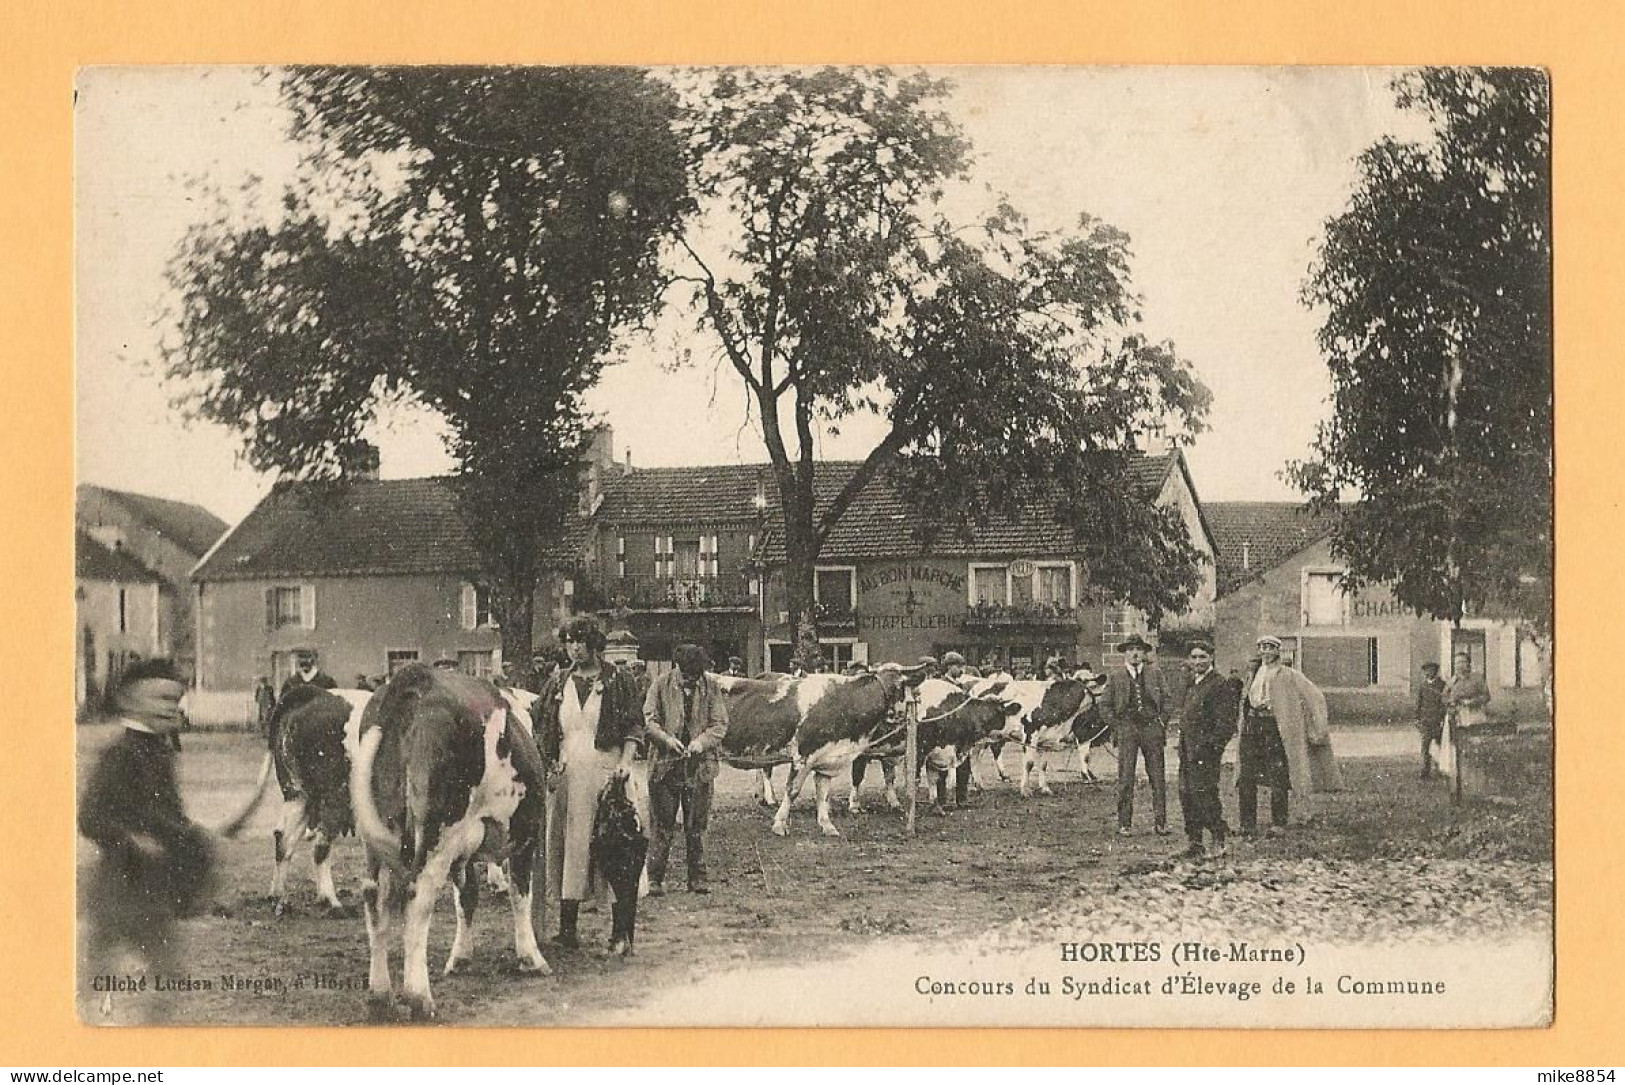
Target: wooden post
911 756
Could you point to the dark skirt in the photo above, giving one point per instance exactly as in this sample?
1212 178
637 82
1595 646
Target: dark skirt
1263 756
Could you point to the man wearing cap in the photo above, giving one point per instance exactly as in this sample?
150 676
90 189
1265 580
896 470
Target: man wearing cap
307 673
1286 744
155 862
736 667
1136 705
686 718
1206 722
929 667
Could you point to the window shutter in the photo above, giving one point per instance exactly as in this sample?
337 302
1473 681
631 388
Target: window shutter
716 563
860 652
270 608
307 605
469 607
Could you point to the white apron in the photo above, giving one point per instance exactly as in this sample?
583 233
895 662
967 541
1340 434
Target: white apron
571 806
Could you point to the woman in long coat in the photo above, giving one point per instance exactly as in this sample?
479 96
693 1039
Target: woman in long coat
590 727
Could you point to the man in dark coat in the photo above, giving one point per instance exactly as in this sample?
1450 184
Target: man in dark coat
1137 706
308 672
1430 712
1206 722
155 862
685 716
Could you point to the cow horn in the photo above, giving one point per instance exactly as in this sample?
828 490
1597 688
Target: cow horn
385 844
234 824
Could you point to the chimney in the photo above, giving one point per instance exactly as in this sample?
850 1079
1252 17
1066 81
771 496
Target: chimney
364 462
1246 556
629 461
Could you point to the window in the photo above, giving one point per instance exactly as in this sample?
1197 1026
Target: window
1053 585
839 654
123 610
400 657
478 664
1339 662
990 583
290 607
1323 600
835 588
476 607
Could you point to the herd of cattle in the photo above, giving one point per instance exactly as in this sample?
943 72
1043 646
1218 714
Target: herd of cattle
438 772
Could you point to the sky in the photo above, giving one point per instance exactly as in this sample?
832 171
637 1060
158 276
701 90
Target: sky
1222 177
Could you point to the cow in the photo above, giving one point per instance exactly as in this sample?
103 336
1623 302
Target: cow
817 724
953 724
1048 722
444 775
312 735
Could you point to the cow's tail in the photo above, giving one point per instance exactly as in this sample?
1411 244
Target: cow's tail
379 840
234 824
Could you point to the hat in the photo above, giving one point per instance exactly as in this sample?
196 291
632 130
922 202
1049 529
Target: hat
735 661
143 670
1136 641
303 654
951 659
928 661
1270 642
1199 646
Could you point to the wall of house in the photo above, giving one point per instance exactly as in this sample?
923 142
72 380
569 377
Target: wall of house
358 622
101 648
1200 614
1276 604
907 608
110 523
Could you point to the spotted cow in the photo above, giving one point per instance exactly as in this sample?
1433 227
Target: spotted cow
1053 718
312 735
445 774
816 724
953 724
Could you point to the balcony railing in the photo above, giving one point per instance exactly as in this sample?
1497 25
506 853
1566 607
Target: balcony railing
835 617
1031 615
727 592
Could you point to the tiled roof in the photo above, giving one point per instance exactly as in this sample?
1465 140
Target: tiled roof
1256 536
879 524
93 561
674 495
371 527
191 527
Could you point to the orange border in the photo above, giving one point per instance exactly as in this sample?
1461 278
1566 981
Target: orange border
43 41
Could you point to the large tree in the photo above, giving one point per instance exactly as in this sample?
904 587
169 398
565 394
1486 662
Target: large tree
1005 362
1436 285
468 240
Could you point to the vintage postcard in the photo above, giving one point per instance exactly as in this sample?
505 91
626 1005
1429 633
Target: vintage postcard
996 546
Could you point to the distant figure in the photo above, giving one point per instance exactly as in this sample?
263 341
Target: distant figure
736 667
156 864
685 717
797 669
1430 713
1467 695
363 683
930 667
307 672
264 702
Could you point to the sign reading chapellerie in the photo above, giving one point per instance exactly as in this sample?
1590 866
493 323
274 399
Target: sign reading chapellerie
911 597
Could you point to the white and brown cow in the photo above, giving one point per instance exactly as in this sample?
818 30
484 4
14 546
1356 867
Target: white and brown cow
312 737
445 774
953 724
816 724
1052 714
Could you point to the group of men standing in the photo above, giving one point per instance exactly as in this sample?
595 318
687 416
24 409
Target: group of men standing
1280 714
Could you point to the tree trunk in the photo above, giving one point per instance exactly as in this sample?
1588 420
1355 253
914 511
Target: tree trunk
518 617
801 554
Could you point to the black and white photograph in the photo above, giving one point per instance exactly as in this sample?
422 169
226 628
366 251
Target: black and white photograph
828 546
